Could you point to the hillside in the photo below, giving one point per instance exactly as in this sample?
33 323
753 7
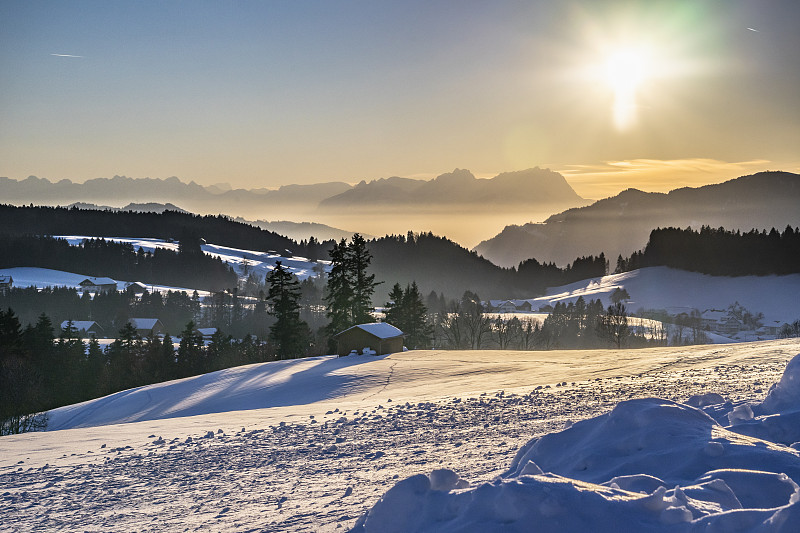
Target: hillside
622 224
312 444
681 291
165 225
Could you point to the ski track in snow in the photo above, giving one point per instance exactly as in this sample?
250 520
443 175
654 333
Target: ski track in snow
322 473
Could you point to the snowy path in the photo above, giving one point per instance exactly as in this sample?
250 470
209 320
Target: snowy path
468 411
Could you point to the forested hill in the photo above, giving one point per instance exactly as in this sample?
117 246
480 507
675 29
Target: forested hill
438 264
35 220
622 224
719 252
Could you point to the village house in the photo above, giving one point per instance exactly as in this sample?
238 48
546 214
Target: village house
509 306
136 287
378 337
6 282
93 284
83 328
206 333
146 326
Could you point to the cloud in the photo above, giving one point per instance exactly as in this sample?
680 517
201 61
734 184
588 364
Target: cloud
64 55
654 175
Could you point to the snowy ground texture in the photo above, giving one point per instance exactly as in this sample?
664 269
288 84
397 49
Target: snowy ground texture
430 441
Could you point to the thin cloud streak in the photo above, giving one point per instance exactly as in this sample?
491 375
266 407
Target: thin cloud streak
64 55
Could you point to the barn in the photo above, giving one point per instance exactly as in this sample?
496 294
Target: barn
379 337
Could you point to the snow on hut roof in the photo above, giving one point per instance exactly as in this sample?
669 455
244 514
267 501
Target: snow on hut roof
381 330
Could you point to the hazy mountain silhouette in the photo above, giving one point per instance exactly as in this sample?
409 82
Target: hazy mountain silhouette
532 187
621 224
213 199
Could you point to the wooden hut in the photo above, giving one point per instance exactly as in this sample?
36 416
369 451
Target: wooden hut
378 337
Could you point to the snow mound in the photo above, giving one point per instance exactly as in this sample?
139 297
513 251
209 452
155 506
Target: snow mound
777 417
784 396
648 465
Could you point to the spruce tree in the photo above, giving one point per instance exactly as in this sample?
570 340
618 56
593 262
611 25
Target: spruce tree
338 291
358 258
289 333
395 308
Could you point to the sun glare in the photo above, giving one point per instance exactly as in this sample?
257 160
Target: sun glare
625 70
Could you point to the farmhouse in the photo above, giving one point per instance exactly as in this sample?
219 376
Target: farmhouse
510 306
93 284
146 326
83 328
6 282
379 337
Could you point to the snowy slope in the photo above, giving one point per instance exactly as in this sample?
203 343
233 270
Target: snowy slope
45 277
321 440
778 297
243 261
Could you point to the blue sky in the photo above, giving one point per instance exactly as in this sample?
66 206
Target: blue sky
260 94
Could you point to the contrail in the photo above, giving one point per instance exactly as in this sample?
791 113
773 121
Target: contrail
64 55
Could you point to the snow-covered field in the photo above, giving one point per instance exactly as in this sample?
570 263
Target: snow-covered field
310 445
45 277
676 290
243 261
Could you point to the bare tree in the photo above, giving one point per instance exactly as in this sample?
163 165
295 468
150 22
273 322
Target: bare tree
613 326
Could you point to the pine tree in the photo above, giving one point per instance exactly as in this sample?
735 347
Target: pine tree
289 333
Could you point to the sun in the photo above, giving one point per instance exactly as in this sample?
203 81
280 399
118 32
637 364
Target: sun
626 69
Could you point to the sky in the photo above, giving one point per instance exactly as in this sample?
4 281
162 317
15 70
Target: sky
653 95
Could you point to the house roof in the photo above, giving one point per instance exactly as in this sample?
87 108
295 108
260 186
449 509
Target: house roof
206 332
143 323
381 330
6 279
79 325
99 281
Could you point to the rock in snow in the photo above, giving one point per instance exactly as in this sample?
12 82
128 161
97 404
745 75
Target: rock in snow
648 465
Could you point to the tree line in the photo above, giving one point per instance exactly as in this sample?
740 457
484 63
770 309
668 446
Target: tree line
219 229
43 366
188 267
719 252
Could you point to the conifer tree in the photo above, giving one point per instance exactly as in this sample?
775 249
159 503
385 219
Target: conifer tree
289 333
358 258
338 291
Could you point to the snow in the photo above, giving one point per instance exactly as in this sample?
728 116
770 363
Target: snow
143 323
381 330
45 277
666 288
648 465
243 261
453 440
79 325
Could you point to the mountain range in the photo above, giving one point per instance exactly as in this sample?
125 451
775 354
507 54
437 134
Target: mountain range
460 189
529 188
621 224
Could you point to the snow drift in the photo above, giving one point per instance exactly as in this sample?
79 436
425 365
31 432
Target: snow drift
648 465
